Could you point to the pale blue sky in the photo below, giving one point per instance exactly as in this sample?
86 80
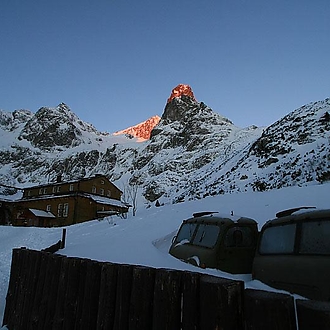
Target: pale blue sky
115 62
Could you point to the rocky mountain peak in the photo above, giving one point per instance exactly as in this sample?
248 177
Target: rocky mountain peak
185 117
142 130
53 127
180 90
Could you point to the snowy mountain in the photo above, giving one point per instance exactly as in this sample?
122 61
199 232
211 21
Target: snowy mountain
192 152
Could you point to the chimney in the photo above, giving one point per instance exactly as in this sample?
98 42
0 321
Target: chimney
59 178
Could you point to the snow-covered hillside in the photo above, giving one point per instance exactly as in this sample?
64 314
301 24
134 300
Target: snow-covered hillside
145 238
192 152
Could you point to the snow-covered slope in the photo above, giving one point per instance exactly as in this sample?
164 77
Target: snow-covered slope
145 239
293 151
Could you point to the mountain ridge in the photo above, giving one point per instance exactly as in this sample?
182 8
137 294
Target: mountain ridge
193 152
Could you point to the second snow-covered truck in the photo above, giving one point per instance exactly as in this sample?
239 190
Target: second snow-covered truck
211 240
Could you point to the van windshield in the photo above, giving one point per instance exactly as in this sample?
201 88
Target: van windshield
207 235
279 239
185 233
315 237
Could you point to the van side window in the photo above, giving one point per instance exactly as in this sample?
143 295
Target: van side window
279 239
315 237
239 237
207 235
186 231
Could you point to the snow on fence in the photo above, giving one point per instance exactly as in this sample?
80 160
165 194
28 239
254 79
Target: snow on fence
51 291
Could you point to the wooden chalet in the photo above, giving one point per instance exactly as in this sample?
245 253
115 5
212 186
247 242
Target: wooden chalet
66 203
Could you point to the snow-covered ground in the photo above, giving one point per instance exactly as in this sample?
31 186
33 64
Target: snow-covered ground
145 238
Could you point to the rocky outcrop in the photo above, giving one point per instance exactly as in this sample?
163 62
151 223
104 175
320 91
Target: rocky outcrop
54 127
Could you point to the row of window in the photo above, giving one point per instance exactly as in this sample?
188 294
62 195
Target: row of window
207 235
102 191
311 238
62 210
57 189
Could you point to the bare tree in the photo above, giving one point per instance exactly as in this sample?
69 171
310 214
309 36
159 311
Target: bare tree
130 193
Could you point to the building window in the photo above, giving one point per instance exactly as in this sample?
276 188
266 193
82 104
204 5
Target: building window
71 187
109 193
94 190
29 193
102 191
60 210
40 191
102 181
54 190
65 209
58 188
48 208
45 191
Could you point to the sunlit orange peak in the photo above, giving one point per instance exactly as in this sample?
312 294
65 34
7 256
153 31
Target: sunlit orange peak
179 90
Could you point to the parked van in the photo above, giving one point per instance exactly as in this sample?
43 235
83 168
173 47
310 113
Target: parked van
225 242
293 253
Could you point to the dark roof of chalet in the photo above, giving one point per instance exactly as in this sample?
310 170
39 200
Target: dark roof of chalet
71 181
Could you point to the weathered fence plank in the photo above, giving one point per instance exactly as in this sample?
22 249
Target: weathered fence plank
141 306
81 293
34 260
123 296
191 301
69 303
12 288
35 307
313 314
12 311
91 295
21 302
269 310
107 298
221 303
61 291
167 300
52 290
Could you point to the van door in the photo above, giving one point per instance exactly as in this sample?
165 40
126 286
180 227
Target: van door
238 250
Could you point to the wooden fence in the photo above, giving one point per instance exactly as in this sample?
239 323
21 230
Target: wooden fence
51 291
